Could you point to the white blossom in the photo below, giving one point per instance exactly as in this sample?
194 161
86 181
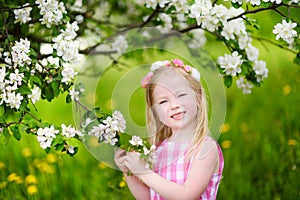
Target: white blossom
285 31
98 131
261 70
19 53
181 6
23 15
46 135
70 149
74 94
244 39
136 141
35 94
16 78
276 1
69 131
254 2
68 74
153 3
233 28
167 21
52 12
120 44
158 64
199 39
121 123
231 63
252 52
14 100
243 84
110 138
237 1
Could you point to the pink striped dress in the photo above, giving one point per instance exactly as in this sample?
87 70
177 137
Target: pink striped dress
170 165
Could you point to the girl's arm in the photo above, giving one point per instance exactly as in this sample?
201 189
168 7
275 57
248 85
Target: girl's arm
138 189
203 167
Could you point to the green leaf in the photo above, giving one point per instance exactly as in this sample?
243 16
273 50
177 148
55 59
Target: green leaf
49 93
23 106
228 81
36 80
6 135
68 99
59 147
55 88
236 5
73 142
16 132
297 59
24 90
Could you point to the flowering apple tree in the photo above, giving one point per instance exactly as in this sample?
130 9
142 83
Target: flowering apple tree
42 43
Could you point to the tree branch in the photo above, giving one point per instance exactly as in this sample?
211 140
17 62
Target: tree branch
272 7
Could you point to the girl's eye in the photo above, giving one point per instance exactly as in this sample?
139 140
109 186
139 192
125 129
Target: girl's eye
181 95
162 102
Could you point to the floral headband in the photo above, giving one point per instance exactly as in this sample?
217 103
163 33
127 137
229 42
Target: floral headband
166 63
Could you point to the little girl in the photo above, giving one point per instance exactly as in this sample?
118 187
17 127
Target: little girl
188 163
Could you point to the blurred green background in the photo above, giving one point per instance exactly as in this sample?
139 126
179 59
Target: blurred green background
260 141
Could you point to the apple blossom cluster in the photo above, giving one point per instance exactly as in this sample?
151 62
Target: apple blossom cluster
22 15
259 2
76 92
47 135
52 12
11 79
119 44
108 129
65 45
285 31
143 147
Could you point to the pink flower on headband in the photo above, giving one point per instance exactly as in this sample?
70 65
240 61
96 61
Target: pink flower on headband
187 68
165 63
146 80
178 63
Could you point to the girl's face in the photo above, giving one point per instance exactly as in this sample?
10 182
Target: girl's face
175 101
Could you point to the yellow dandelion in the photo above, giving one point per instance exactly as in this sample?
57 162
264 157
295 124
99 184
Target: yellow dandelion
32 189
3 185
292 142
51 158
13 177
225 128
244 127
26 152
101 165
30 179
122 184
226 144
2 165
45 167
286 90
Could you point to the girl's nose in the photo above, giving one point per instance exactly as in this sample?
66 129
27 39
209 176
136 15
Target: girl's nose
175 105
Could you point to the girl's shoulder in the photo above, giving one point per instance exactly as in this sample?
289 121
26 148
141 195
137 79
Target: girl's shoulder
207 147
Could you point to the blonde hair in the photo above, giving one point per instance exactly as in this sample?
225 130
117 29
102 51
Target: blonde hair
158 131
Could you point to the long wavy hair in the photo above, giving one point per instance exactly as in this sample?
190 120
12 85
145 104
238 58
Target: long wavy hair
157 130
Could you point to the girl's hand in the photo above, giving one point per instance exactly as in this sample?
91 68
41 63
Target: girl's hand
136 165
119 158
